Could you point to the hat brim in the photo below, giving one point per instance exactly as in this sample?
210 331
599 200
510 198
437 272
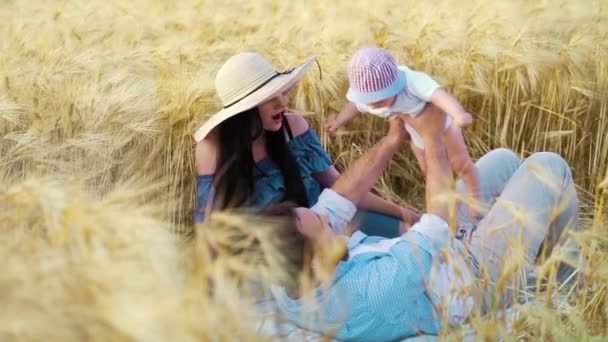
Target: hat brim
277 85
382 94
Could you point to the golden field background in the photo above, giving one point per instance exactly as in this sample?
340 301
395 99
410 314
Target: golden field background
98 101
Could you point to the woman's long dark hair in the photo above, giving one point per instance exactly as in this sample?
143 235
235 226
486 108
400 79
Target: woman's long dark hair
234 181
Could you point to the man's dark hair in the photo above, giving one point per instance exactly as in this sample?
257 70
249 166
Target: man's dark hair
295 248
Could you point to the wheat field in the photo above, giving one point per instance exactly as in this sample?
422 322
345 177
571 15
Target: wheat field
98 101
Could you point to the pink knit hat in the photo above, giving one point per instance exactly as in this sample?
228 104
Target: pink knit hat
373 76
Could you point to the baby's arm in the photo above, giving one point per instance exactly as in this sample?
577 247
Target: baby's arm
462 164
449 104
348 113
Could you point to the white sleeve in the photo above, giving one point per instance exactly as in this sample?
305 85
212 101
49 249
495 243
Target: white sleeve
339 210
431 233
362 108
421 84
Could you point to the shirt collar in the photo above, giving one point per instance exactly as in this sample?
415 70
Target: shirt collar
356 239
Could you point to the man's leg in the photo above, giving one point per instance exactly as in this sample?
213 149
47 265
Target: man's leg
495 169
538 204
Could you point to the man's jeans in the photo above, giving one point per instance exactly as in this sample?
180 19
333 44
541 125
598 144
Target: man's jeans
528 204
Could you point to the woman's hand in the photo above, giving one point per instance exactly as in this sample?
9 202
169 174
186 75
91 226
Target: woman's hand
409 215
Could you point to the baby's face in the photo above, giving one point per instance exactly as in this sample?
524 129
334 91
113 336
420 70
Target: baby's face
386 103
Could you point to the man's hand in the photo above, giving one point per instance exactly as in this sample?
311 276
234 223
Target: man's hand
409 215
429 124
396 132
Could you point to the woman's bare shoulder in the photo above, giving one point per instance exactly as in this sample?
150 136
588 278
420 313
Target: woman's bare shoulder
206 154
297 123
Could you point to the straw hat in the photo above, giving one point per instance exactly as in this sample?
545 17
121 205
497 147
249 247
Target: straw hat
245 81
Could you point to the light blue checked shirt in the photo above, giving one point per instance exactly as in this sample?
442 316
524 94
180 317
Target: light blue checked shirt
387 289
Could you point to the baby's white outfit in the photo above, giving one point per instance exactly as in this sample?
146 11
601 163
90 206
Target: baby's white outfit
419 87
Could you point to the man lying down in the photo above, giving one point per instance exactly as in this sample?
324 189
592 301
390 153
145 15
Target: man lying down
418 283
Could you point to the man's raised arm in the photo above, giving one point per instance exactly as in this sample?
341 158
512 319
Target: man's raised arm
359 178
438 178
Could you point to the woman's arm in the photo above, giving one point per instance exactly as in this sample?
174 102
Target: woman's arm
370 201
206 154
297 123
205 157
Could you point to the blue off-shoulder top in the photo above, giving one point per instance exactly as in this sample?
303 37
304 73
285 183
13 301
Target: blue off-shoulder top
269 186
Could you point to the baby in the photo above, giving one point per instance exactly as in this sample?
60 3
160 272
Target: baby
379 87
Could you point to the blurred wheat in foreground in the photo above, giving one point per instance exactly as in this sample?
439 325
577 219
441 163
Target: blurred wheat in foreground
98 100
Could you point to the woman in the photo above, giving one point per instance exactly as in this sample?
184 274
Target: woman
252 153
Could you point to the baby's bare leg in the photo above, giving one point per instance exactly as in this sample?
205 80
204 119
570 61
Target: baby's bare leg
461 162
419 153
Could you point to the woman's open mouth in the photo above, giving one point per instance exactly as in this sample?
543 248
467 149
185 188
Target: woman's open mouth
278 117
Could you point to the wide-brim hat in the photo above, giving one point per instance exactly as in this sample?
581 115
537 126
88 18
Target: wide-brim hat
247 80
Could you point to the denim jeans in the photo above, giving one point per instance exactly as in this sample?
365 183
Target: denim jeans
529 204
